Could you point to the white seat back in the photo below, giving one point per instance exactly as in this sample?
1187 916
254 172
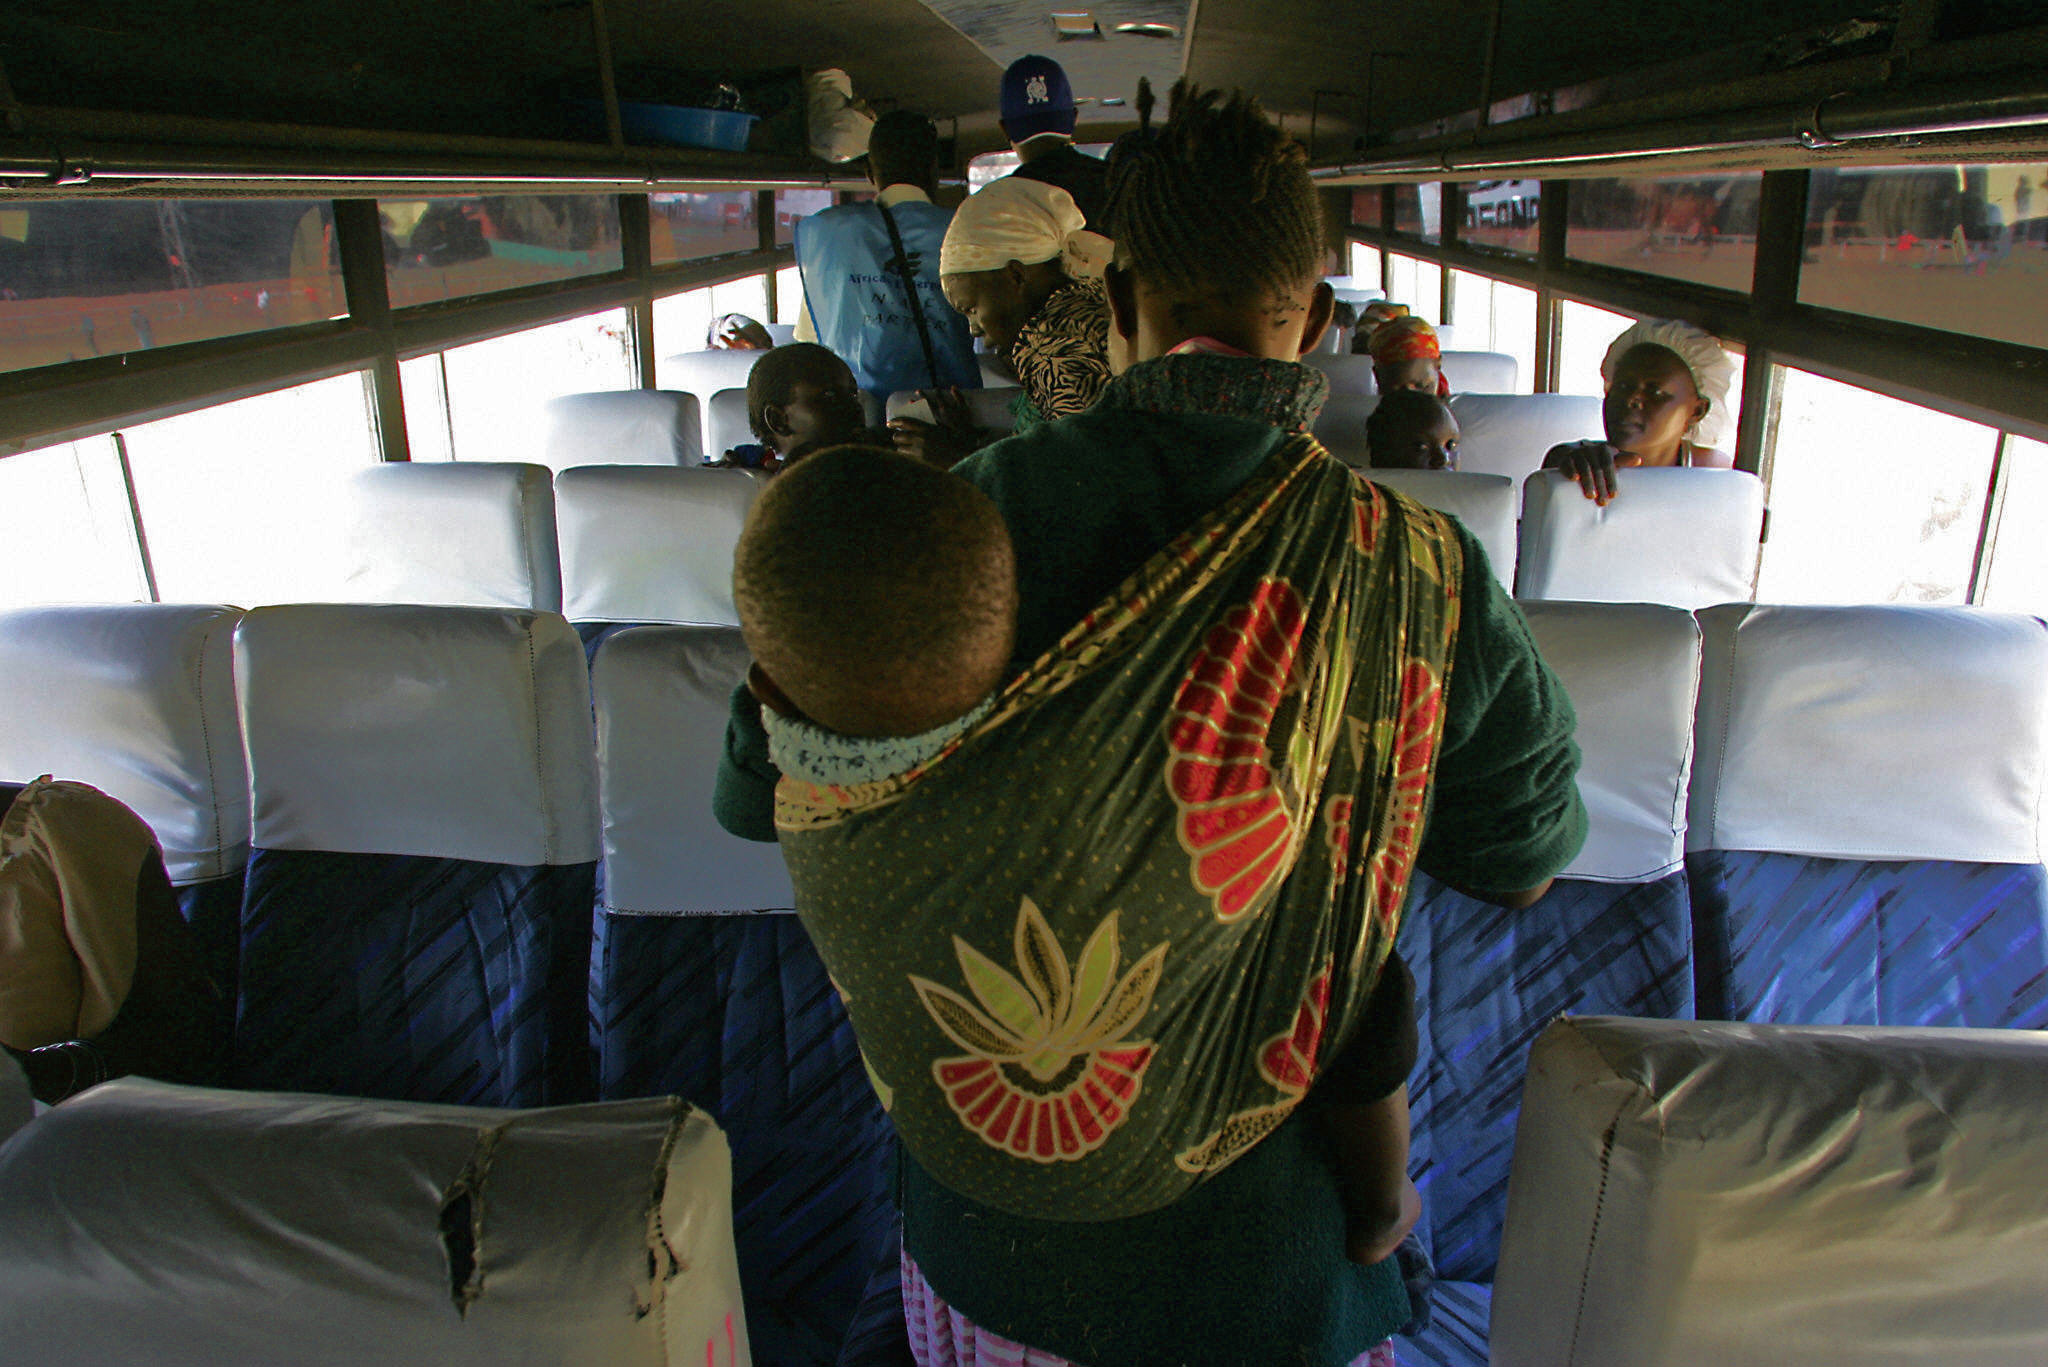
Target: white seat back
137 700
456 733
1689 538
1480 372
1341 426
725 422
471 534
1348 374
1632 671
1486 504
1510 434
662 696
624 427
1347 288
1877 733
187 1227
988 407
1691 1192
704 373
643 544
782 334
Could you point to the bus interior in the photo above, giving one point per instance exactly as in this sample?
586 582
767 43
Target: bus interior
356 385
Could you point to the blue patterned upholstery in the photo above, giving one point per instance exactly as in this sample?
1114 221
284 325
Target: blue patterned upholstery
1487 981
214 911
736 1014
414 978
1800 940
1456 1336
878 1336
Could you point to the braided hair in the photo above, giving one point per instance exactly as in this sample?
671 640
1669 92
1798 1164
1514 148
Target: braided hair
1217 202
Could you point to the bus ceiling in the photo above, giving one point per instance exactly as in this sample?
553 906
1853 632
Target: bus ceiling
386 93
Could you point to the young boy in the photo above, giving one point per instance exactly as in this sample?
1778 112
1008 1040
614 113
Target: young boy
1411 430
800 398
879 598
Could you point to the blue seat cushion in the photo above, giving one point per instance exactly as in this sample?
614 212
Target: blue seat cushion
1487 981
736 1014
1456 1336
414 978
213 909
1796 939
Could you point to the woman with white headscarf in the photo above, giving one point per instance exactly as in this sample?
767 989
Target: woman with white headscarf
1019 264
1666 404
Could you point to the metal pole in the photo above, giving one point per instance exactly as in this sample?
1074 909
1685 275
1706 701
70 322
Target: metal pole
359 234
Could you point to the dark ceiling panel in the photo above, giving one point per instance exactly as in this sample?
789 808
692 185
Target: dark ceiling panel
1109 66
898 52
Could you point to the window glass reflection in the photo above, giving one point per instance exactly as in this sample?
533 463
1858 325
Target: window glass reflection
437 249
1502 215
1696 228
692 225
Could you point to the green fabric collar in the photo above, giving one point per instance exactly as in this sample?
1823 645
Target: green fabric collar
1282 394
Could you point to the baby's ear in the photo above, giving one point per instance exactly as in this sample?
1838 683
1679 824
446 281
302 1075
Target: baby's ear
769 694
775 418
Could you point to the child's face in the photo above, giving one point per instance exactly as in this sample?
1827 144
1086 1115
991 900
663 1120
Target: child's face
1426 446
823 409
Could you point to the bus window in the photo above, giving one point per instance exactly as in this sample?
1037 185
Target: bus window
1697 228
1365 208
1583 335
791 205
437 249
1962 248
682 321
1419 210
1501 215
789 294
692 225
68 528
1416 283
1873 500
484 401
1366 266
1494 315
237 501
2015 575
94 277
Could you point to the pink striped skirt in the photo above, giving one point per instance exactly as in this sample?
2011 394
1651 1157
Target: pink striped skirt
941 1336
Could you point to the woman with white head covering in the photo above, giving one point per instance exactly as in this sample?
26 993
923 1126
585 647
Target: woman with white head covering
1667 404
1019 264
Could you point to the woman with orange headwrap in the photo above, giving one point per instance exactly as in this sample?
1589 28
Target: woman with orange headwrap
1407 355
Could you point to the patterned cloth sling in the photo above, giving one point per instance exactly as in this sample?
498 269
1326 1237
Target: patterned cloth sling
1096 947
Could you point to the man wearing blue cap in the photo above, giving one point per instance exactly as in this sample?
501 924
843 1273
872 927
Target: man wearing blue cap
1038 119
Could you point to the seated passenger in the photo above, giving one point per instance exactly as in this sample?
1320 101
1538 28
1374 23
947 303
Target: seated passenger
1667 404
1407 355
1040 931
800 398
98 974
1411 430
737 332
879 599
1369 319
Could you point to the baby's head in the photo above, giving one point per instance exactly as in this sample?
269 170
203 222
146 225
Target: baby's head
878 595
1411 430
802 398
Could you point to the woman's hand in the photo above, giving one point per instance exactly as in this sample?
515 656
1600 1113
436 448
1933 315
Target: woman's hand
1592 464
944 442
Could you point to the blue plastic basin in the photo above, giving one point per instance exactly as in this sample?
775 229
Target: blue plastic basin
723 129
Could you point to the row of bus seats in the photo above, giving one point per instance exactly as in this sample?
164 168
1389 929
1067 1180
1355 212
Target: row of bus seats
624 543
405 813
198 1228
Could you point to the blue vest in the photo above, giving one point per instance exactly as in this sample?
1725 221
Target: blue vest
858 304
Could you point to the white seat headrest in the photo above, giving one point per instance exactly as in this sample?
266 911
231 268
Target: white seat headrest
138 700
988 407
663 696
1340 427
1510 434
1879 732
725 422
704 373
782 334
1481 372
1693 1192
648 544
1348 374
624 427
1484 503
458 733
468 534
1689 538
1632 671
187 1227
